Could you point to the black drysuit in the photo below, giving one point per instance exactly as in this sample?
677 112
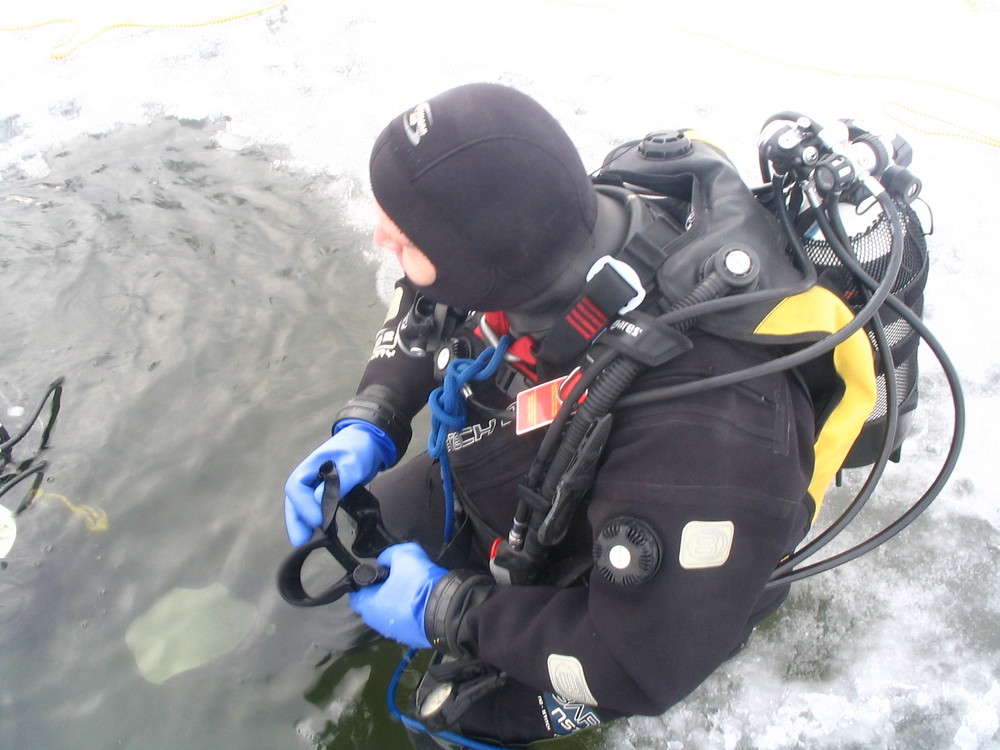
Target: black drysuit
720 477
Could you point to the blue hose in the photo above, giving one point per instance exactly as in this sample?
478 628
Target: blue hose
410 723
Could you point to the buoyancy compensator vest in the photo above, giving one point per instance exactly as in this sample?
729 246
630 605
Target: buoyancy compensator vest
826 261
783 304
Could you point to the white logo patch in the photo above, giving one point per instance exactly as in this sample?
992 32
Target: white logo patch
418 122
385 344
706 544
568 679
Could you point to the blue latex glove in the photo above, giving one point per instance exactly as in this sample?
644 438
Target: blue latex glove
396 607
359 450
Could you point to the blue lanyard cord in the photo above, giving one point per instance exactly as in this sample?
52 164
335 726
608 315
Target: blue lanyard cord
416 726
449 414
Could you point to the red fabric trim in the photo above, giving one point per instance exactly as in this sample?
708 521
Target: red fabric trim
586 319
523 347
497 320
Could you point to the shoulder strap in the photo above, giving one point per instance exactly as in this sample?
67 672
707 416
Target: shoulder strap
616 284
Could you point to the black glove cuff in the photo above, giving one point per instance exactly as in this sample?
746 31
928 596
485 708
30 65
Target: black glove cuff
453 596
373 405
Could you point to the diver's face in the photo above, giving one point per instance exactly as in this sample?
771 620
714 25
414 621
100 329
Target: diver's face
418 267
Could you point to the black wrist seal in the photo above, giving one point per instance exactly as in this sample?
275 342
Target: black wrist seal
453 596
374 405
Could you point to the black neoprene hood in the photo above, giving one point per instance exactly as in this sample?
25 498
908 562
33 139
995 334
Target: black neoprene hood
489 186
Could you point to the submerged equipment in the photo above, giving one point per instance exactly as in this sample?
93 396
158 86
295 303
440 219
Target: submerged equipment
13 472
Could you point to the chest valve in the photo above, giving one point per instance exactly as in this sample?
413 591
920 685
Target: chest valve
627 551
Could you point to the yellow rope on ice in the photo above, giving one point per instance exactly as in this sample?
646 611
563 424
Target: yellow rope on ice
959 131
61 50
968 134
976 136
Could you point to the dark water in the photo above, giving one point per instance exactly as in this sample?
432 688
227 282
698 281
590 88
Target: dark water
209 312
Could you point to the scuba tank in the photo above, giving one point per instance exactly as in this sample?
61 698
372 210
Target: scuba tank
818 177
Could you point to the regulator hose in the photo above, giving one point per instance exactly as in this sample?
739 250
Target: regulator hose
786 573
612 377
782 573
54 390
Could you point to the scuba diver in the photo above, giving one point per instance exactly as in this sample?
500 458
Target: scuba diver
639 396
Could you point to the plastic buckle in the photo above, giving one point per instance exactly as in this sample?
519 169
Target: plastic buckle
628 275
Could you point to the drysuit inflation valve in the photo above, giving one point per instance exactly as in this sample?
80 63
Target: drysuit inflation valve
627 551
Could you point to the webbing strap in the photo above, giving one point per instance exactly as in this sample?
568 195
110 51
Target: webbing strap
603 296
645 251
606 293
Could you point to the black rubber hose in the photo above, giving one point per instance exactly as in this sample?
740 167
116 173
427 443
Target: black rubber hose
841 246
11 481
616 378
601 397
785 362
958 432
54 387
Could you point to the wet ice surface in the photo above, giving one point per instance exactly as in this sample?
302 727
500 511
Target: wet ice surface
183 219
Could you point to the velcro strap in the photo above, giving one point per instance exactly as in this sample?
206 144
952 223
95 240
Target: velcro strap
603 296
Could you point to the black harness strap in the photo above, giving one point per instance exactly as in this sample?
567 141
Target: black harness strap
603 296
606 293
645 251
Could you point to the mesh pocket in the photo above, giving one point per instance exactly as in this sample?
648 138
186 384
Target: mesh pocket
871 247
